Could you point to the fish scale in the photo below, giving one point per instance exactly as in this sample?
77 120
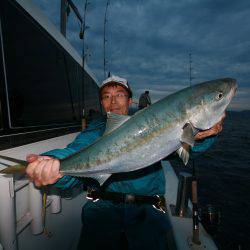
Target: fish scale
169 125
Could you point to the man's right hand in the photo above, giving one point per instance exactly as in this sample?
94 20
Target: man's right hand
43 170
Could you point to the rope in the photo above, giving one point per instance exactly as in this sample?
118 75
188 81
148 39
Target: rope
44 203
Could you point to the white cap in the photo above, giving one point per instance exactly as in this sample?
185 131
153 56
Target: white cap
116 79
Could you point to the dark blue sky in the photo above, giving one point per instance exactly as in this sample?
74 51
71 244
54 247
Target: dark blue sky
148 42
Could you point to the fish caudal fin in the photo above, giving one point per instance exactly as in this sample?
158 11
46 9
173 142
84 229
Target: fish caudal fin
20 168
14 169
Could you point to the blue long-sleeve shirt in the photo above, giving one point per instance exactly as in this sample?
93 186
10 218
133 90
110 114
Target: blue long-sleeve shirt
147 181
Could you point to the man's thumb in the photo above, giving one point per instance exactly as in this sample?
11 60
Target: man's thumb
32 157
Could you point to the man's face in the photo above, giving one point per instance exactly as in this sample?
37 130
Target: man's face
115 99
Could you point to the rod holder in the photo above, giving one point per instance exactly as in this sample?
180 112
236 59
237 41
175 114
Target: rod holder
183 194
8 237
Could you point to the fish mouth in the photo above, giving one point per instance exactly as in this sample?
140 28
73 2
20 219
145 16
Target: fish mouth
233 85
233 90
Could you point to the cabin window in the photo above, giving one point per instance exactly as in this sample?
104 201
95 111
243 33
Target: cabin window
1 117
1 81
41 77
41 84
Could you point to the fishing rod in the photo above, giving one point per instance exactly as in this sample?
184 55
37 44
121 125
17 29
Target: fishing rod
194 196
82 36
105 39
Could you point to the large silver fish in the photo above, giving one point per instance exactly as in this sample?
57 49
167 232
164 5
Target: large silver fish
169 125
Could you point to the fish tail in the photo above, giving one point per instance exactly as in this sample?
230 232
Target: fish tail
14 169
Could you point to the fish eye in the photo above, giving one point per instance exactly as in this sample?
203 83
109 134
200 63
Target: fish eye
219 96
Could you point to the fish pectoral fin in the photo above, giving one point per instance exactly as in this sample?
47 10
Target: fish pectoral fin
101 178
188 134
183 153
114 121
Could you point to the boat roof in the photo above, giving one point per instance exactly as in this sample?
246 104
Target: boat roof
37 14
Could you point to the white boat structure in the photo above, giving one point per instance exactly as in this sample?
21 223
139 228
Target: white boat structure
40 73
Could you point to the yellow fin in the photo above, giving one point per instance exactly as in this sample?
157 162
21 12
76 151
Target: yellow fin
20 168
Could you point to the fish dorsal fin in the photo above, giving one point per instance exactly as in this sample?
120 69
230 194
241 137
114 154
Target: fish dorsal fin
188 134
114 121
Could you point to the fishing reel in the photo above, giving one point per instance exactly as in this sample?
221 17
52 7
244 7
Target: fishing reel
210 217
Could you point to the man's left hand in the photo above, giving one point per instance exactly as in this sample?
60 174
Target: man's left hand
210 132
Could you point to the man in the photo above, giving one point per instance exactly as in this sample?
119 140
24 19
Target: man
124 215
144 100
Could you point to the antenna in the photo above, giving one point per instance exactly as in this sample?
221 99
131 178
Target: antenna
105 40
87 53
65 11
190 69
83 29
63 17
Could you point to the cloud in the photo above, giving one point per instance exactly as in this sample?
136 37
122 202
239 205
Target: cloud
149 42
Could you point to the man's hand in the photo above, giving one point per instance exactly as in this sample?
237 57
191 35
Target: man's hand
210 132
43 170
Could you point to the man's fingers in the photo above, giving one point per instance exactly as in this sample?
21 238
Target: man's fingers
56 168
216 129
37 183
220 128
222 119
46 171
52 181
33 157
31 168
44 157
201 135
37 176
43 170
